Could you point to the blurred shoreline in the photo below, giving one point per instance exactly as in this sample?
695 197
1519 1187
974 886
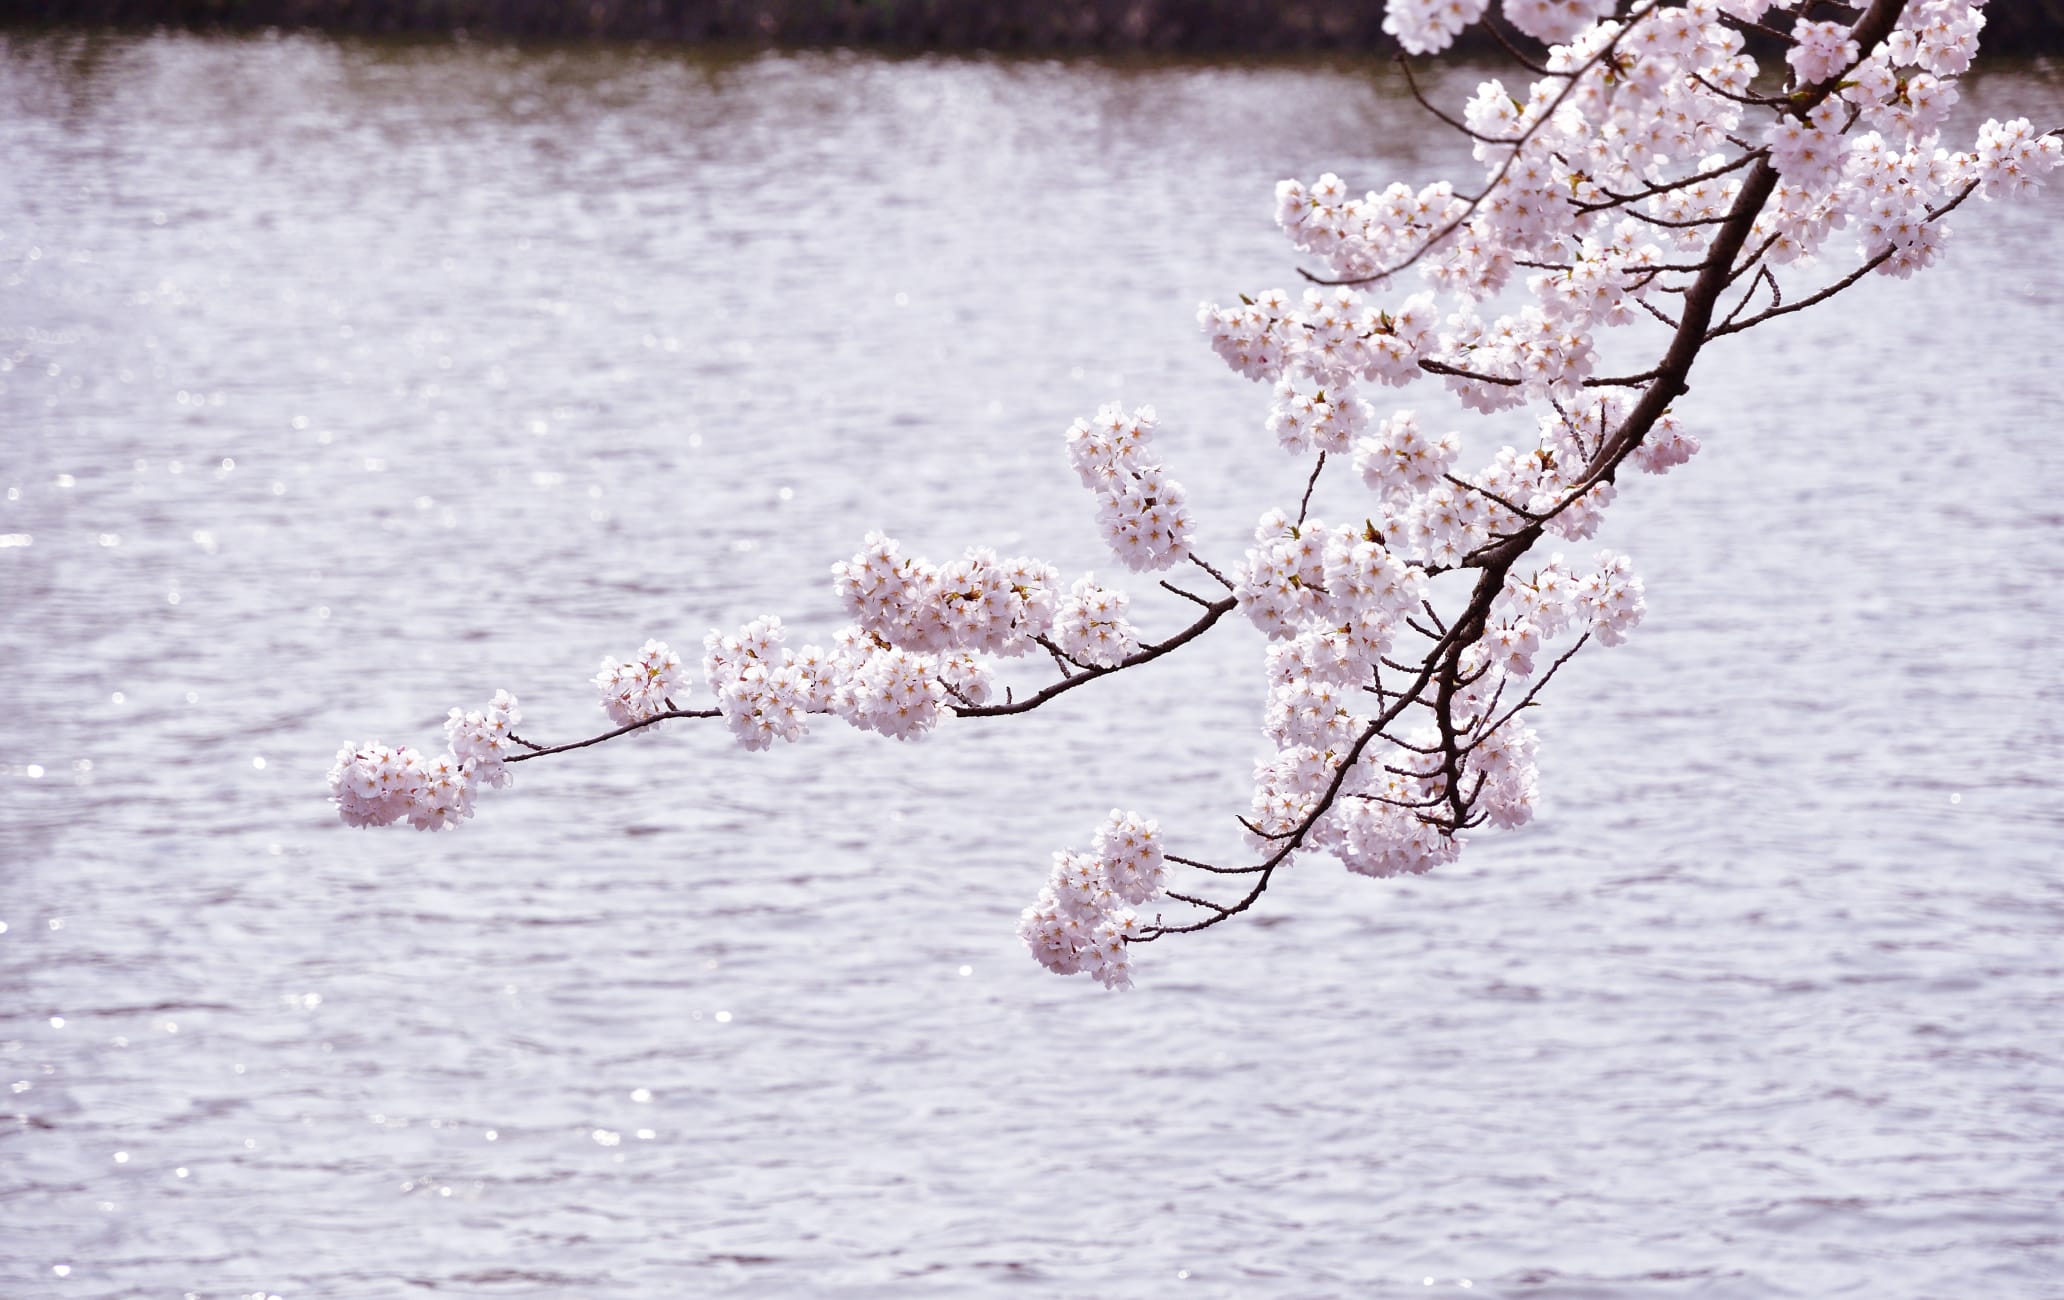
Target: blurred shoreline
2021 27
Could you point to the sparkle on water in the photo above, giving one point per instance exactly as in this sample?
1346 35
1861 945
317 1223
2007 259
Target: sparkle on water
496 360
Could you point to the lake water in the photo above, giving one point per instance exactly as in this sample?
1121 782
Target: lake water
341 383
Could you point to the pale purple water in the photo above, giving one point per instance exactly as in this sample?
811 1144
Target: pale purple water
419 371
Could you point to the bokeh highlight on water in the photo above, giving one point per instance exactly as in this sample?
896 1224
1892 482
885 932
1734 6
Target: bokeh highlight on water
343 382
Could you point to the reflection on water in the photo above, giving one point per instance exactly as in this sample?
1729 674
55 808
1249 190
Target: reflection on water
341 383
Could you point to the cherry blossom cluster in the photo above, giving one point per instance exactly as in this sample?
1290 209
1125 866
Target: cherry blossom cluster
1893 182
888 689
1083 919
375 785
1429 26
1139 508
1091 628
482 737
977 602
1396 807
764 690
639 688
2010 158
1329 339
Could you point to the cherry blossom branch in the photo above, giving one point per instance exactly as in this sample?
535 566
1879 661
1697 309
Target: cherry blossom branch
1201 563
1627 381
540 751
1206 866
1441 667
1435 367
1575 77
1658 188
1490 496
1497 32
1702 296
1291 840
1763 276
1213 612
1446 118
1869 265
1533 690
1337 600
1304 506
1190 596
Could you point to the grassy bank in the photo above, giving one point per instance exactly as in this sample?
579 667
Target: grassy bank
2016 26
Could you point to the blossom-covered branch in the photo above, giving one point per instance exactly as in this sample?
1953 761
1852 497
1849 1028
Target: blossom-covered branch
1648 174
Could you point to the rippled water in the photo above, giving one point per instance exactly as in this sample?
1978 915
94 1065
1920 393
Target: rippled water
346 382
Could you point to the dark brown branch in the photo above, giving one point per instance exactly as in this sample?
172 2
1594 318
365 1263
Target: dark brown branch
1223 581
1186 595
1657 188
1626 381
1763 276
1259 832
1533 691
1412 84
1669 223
1409 805
1534 66
1654 311
1432 367
1491 496
1786 309
1745 26
1752 100
1146 654
539 751
1062 661
1305 505
1206 866
1194 901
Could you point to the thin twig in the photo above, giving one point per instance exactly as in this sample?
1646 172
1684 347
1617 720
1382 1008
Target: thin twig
1146 654
1470 206
1491 496
1846 281
1305 505
539 751
1433 367
1657 188
1201 563
1186 595
1206 866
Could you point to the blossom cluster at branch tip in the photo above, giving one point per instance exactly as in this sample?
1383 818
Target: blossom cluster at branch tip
1083 919
377 785
922 644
